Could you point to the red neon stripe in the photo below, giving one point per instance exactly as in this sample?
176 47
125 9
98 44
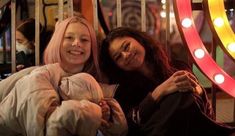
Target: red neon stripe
193 41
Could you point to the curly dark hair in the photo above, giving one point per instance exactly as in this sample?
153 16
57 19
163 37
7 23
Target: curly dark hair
156 58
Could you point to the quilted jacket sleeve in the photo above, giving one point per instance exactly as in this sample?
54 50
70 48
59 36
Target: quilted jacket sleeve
74 117
7 84
25 108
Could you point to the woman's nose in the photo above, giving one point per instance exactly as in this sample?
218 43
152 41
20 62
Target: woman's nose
125 54
76 43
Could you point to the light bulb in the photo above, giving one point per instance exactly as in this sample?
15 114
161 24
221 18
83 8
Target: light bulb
186 22
218 22
219 78
199 53
231 47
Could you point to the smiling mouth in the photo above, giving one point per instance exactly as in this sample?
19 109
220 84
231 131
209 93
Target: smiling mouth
74 52
131 58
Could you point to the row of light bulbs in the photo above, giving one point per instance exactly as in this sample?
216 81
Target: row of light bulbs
200 53
218 22
197 50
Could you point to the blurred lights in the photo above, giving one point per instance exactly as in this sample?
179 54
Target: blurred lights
199 53
218 22
163 1
163 14
110 14
219 78
172 14
186 23
163 6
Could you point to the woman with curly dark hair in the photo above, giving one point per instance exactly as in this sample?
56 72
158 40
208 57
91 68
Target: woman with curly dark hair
159 97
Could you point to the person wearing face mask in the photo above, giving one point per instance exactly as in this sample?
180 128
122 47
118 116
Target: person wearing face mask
25 37
25 47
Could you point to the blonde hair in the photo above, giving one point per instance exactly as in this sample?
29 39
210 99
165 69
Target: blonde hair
52 51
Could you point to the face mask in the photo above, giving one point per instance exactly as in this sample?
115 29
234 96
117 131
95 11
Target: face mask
21 47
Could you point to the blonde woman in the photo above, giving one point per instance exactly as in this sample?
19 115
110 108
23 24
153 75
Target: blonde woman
34 107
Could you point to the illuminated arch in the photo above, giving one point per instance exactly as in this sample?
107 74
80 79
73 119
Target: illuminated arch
190 36
220 25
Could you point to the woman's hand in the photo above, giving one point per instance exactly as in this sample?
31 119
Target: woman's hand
116 124
196 86
106 113
181 81
20 67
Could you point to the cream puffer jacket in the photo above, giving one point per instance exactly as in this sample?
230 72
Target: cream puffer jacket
34 107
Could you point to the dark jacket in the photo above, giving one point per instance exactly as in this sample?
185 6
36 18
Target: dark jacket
177 114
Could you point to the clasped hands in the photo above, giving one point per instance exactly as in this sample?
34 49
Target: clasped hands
181 81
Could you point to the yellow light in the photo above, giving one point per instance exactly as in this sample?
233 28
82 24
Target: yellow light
199 53
220 25
191 37
219 78
163 6
186 23
231 47
218 22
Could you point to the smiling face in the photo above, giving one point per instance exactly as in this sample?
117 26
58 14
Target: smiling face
76 47
127 53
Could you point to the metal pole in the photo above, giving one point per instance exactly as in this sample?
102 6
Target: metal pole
37 32
119 13
167 25
213 87
61 10
13 36
143 15
95 15
70 8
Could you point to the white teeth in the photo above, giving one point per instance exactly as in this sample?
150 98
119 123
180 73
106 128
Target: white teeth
76 52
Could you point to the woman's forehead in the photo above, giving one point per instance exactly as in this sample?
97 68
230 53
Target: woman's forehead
20 36
77 27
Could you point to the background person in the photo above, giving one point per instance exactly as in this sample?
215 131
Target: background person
25 48
25 43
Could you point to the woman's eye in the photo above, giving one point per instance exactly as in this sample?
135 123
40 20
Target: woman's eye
84 39
68 37
126 46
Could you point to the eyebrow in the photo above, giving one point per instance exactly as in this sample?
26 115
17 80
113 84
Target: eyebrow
118 52
72 33
69 33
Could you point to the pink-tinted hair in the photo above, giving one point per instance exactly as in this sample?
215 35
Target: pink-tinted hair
52 51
